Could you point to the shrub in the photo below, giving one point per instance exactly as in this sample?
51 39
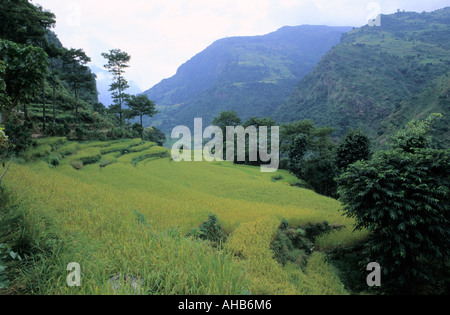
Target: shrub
53 159
210 230
294 245
402 197
353 147
77 164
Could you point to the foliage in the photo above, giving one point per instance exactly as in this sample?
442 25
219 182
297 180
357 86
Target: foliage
297 151
210 230
416 135
117 63
26 67
296 244
355 146
310 153
227 119
402 197
6 253
141 106
24 22
19 134
77 74
153 134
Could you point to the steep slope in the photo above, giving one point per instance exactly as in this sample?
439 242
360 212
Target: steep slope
378 78
252 75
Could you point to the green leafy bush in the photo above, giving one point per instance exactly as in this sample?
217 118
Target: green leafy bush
402 197
210 230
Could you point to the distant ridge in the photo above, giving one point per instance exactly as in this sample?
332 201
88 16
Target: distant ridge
252 75
379 78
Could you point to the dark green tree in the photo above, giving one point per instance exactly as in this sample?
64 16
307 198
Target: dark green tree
153 134
310 153
402 196
77 72
355 146
117 63
24 68
141 106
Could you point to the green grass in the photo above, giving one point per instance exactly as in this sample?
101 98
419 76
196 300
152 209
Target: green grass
90 216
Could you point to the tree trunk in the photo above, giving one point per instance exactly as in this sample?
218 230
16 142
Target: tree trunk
54 105
44 117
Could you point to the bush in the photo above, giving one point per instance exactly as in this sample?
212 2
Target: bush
115 134
294 245
77 164
19 134
210 230
53 159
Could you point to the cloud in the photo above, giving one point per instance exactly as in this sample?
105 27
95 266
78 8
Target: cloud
161 35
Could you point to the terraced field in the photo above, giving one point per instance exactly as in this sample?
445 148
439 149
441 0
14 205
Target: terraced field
126 208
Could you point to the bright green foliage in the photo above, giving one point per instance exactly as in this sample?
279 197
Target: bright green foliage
77 73
24 22
416 135
226 119
153 134
355 146
117 63
310 153
403 197
141 106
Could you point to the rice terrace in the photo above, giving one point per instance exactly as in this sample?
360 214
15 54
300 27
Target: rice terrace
116 196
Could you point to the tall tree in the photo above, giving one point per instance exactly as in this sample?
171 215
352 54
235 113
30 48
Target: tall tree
77 72
355 146
141 106
117 63
25 68
55 63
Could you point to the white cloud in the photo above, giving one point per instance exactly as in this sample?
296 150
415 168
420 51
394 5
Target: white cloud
161 35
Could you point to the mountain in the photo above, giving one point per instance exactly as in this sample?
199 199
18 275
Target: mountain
379 78
252 75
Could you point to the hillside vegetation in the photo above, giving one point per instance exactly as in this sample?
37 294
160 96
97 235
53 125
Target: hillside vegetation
252 75
379 78
124 208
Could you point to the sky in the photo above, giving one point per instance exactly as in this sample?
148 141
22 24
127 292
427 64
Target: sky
161 35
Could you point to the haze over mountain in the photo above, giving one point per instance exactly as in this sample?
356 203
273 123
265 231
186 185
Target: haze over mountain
251 75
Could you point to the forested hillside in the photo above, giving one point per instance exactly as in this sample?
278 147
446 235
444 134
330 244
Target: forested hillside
251 75
379 78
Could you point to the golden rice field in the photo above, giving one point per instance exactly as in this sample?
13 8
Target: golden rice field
89 205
